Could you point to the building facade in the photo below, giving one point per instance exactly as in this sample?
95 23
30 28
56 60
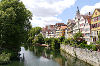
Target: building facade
95 25
49 31
85 27
70 25
66 32
60 31
77 20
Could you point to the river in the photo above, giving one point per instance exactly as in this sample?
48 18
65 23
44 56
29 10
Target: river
38 56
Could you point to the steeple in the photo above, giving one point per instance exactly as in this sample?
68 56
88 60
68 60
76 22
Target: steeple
78 11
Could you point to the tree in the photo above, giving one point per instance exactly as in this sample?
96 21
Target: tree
39 39
32 33
48 41
14 24
55 43
78 35
62 38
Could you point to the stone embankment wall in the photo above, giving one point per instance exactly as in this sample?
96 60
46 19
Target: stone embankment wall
91 57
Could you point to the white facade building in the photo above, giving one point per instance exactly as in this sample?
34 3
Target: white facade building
66 33
77 20
85 27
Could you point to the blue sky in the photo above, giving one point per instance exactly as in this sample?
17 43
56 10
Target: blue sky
46 12
69 13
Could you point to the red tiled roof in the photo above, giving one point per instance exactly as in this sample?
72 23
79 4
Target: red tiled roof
70 20
63 27
98 9
60 24
87 17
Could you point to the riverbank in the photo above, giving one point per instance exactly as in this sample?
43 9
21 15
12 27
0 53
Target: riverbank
91 57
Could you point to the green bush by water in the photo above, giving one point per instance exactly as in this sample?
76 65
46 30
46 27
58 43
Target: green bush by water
5 57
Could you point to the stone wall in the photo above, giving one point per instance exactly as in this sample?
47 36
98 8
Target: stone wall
91 57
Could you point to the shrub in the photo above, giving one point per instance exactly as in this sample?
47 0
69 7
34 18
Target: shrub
5 57
48 40
62 38
91 46
82 45
55 43
67 41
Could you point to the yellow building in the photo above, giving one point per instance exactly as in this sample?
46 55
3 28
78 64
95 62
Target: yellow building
60 31
70 25
95 25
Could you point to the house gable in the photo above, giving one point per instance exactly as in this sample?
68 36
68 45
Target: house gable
96 13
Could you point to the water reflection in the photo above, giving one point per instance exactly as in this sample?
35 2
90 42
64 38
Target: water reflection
72 61
41 56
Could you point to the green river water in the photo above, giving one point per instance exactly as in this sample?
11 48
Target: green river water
40 56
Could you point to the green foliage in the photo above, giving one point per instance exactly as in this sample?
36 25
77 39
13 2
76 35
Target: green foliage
91 46
39 39
78 41
77 35
55 43
48 41
98 47
67 41
14 24
62 38
98 42
32 33
5 57
82 45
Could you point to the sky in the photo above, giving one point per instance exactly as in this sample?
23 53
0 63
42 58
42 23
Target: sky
49 12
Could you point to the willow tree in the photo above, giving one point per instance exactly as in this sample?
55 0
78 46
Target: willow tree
14 24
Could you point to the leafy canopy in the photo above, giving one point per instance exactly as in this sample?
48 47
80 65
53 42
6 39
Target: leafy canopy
14 24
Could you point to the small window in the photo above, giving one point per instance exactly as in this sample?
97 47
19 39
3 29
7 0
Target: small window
97 32
98 17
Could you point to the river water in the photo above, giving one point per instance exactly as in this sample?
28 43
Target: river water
38 56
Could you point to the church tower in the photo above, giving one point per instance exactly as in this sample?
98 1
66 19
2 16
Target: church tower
77 14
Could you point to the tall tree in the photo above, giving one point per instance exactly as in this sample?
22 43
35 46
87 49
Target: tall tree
14 24
39 39
33 32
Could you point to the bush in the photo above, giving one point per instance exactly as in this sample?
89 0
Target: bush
5 57
91 46
48 40
39 39
67 41
62 38
82 45
55 44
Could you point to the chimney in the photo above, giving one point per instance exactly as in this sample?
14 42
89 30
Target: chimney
89 13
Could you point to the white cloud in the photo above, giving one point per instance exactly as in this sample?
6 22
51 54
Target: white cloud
42 21
47 10
88 8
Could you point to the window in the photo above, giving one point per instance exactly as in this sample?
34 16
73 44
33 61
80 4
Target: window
82 24
95 19
98 25
92 19
82 19
98 17
97 32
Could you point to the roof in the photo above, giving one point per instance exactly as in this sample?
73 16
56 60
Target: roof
98 9
71 21
87 17
63 27
60 24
